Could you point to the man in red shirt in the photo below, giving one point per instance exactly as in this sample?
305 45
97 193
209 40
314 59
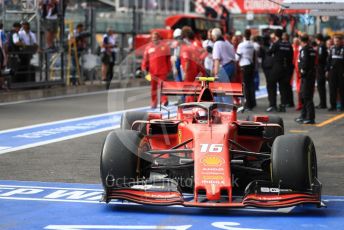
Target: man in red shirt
189 58
157 61
296 49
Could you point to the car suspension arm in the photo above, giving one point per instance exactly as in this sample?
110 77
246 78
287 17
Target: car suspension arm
173 150
248 153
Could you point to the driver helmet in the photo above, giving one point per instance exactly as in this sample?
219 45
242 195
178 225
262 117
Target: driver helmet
201 115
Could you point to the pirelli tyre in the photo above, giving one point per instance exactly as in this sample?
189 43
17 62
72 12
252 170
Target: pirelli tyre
119 158
294 162
128 118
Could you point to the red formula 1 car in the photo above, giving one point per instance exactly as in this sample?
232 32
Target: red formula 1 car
207 152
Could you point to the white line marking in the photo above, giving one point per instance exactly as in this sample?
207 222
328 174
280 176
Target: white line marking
334 200
54 200
77 201
4 147
73 95
53 188
130 227
72 119
57 140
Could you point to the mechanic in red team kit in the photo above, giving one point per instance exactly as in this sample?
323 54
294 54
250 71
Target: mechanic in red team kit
157 62
189 58
307 70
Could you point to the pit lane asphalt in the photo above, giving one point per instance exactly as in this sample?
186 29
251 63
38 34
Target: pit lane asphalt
77 160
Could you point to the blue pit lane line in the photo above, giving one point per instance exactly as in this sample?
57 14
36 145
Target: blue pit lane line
47 205
42 134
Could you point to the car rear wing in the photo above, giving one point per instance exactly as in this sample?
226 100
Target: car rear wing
195 88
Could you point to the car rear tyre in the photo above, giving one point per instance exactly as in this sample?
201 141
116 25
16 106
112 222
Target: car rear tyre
294 163
128 119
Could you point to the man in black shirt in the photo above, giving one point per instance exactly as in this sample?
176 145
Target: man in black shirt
321 69
209 12
282 53
225 16
307 70
288 87
335 66
14 48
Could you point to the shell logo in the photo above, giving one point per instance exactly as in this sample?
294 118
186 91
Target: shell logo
212 161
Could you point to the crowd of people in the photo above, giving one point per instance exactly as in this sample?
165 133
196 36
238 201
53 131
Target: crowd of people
304 61
20 44
16 50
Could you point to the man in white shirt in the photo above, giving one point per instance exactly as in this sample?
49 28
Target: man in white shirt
223 57
28 38
14 48
14 40
247 60
108 57
257 47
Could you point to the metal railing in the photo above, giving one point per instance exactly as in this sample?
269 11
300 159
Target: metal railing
32 69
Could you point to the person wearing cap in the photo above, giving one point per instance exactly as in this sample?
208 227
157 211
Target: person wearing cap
108 56
157 62
224 61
